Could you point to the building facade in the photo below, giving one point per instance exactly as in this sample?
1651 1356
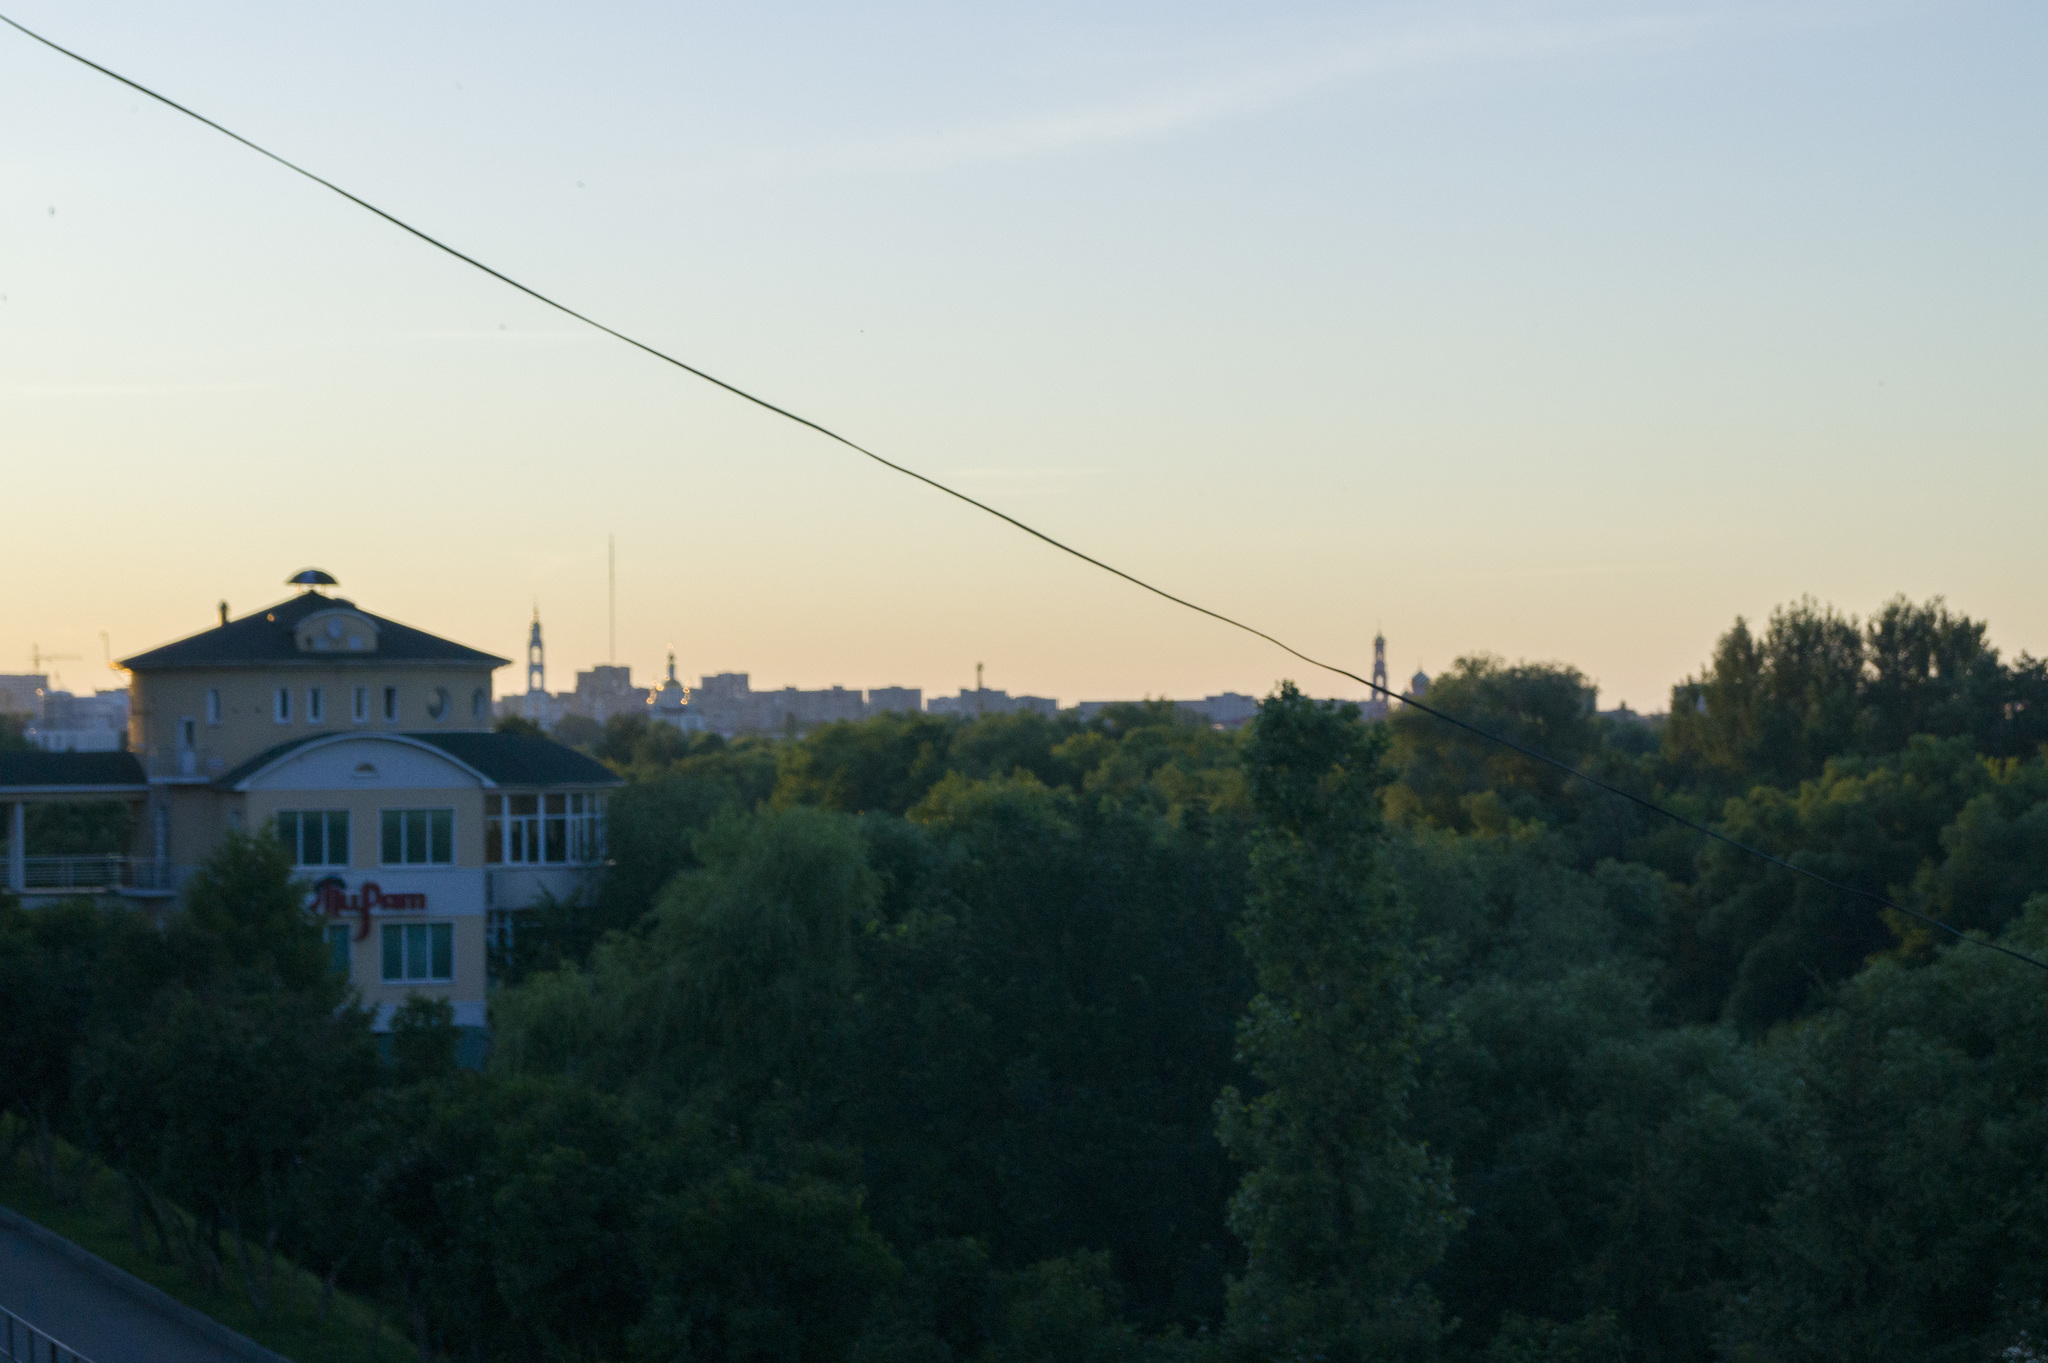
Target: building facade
21 694
976 702
94 723
366 746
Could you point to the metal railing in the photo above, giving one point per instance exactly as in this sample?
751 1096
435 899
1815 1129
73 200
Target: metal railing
93 874
26 1344
184 764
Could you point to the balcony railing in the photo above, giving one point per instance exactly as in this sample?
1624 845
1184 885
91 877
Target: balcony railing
96 874
185 764
24 1343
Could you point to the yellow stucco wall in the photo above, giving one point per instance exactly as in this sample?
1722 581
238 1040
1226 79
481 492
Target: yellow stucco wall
159 701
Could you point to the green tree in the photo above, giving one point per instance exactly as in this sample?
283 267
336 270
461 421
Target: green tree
1915 1223
886 764
1611 1167
1042 1020
739 980
80 828
219 1053
1871 823
1444 771
503 1212
758 1270
1341 1211
50 963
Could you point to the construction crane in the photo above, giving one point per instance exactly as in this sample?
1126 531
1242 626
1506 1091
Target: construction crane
36 658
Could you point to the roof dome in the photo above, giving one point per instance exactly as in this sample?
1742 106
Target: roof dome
311 577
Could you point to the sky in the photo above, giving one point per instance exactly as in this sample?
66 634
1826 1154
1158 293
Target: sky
1558 331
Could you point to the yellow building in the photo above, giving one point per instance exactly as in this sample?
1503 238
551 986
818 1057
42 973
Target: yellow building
366 746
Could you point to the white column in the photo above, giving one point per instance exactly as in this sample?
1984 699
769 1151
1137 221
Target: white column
17 847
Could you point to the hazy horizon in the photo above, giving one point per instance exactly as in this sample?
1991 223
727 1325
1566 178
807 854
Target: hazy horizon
1560 331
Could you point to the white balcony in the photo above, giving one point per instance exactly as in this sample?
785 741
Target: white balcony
45 877
184 765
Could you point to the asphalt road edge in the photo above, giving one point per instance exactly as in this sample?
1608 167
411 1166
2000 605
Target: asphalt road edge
154 1298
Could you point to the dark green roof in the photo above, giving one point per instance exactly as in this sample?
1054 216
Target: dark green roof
267 638
263 759
507 759
70 769
523 760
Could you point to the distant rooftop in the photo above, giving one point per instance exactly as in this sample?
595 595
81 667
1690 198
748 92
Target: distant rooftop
51 770
508 759
267 638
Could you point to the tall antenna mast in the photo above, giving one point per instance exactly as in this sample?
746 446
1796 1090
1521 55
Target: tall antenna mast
611 578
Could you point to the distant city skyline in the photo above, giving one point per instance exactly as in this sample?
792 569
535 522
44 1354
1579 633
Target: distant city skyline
1565 330
727 702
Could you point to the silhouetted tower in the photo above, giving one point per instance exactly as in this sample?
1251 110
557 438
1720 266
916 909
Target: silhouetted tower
1380 689
536 670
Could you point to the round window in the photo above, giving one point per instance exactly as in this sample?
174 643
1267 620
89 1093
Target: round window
437 708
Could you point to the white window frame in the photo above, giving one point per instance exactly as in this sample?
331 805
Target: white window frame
391 705
571 820
405 835
316 705
586 828
359 704
281 705
406 935
297 843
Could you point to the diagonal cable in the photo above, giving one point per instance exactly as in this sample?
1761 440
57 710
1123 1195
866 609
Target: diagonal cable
1035 533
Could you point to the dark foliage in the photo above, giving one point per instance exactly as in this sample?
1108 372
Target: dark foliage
1029 1039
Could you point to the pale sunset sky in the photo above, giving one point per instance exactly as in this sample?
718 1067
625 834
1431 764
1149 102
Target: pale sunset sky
1562 331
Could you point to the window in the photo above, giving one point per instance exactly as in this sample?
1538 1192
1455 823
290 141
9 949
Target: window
359 704
418 952
391 705
338 950
556 845
316 705
479 702
284 705
437 704
416 837
586 828
188 733
314 837
512 829
529 830
213 706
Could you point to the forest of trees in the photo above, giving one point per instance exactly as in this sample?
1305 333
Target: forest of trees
1029 1039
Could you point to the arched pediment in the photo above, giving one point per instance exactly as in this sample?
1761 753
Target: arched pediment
363 762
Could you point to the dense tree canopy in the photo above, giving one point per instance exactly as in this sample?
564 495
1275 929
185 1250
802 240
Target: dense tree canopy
1033 1039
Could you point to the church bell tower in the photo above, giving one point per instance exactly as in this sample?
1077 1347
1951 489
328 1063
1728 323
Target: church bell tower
536 671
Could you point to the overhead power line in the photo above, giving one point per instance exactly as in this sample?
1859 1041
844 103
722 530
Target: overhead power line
1035 533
